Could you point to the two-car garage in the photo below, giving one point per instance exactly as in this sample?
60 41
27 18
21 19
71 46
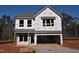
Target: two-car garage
49 39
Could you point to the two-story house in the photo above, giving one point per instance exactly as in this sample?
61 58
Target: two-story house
42 27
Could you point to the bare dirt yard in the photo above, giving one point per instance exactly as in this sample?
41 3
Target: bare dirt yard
10 47
74 44
69 44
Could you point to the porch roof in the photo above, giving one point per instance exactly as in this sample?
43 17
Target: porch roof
33 31
24 30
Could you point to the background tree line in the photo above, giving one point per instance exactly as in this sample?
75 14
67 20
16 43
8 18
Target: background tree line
70 26
6 28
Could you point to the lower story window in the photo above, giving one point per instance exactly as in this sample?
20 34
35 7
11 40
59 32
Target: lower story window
23 38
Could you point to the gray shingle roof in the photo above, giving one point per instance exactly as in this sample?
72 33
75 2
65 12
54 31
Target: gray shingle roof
25 16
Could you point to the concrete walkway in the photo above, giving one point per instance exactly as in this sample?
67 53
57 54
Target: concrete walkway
53 48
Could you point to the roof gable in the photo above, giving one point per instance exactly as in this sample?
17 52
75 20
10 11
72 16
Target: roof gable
49 8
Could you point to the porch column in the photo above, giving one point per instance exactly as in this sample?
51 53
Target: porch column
28 38
35 40
23 37
14 38
17 39
61 39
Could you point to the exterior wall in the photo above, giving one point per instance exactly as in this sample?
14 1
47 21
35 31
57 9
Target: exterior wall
25 24
37 24
49 13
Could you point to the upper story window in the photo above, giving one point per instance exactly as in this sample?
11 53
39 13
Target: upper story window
29 23
21 23
48 22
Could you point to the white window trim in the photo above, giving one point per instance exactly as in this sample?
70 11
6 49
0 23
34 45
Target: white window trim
21 24
49 23
29 24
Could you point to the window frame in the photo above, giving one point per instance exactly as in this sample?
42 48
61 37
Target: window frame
48 24
21 24
29 25
23 38
44 22
52 23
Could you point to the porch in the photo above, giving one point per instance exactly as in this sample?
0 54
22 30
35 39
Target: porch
25 38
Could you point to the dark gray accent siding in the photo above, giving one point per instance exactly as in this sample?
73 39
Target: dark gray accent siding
33 31
24 30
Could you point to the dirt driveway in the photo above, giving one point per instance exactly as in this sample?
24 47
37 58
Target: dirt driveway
53 48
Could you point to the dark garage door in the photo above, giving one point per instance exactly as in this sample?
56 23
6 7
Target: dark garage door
48 39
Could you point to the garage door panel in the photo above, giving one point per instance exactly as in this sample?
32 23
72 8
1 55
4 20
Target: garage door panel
48 39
